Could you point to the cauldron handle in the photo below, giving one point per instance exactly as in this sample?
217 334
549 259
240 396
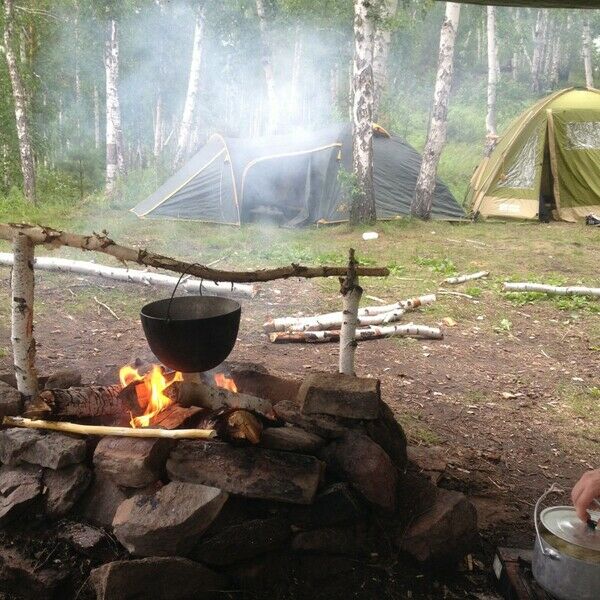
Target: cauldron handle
168 318
545 551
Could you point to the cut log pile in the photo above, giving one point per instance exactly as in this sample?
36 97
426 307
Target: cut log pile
311 467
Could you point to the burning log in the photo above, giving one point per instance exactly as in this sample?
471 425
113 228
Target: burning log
369 315
552 289
104 430
193 286
100 242
351 293
368 333
233 425
463 278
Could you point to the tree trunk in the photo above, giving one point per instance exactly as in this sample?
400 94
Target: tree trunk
96 118
362 208
294 100
539 41
492 51
587 54
189 109
381 49
436 138
114 133
20 104
267 63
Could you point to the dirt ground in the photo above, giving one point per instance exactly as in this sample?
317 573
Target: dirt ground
510 396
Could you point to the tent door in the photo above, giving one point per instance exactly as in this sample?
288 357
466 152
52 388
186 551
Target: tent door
547 200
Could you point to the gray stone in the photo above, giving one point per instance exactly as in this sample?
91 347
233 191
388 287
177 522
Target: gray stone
132 462
52 450
168 522
11 402
62 380
431 461
243 541
99 504
324 426
340 395
156 578
20 488
359 460
64 488
445 532
291 439
388 433
84 538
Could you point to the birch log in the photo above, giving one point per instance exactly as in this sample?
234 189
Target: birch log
366 333
334 320
351 293
463 278
552 289
335 323
81 267
100 242
23 343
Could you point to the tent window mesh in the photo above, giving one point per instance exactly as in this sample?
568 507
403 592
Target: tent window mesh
584 136
521 174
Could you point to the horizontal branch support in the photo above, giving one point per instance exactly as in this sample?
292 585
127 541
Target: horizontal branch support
552 289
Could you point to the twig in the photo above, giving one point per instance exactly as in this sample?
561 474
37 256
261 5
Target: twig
108 308
444 292
218 260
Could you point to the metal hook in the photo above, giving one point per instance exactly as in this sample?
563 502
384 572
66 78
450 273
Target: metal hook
177 285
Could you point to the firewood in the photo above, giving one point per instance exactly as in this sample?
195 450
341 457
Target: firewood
100 242
463 278
104 430
552 289
351 293
175 417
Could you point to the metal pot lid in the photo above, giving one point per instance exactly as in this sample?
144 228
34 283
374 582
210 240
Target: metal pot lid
563 522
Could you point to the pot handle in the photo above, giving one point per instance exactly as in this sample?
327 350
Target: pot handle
553 489
177 285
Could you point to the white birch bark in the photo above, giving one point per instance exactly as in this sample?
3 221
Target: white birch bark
191 97
470 277
492 55
381 49
539 40
351 293
336 323
22 283
115 162
587 54
436 138
96 118
20 104
574 290
267 63
190 285
294 99
363 199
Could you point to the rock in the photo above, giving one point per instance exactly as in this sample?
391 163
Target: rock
264 573
99 504
388 433
11 402
52 450
62 380
431 461
324 426
168 522
359 460
340 395
251 472
291 439
350 540
156 578
243 541
22 577
64 488
132 462
85 539
255 380
445 532
20 488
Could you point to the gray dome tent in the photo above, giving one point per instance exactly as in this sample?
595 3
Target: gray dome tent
294 176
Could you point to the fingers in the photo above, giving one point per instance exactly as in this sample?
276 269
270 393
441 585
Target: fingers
584 492
584 501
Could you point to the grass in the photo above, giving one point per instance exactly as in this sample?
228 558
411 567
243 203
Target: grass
581 405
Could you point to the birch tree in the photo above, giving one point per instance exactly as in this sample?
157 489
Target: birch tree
381 48
539 43
362 209
267 63
115 162
436 137
191 97
492 52
587 54
20 103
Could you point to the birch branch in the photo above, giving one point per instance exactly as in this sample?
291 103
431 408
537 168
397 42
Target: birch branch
367 333
351 293
81 267
463 278
552 289
100 242
333 320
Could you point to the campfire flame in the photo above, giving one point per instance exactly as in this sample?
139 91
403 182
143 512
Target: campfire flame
151 397
225 382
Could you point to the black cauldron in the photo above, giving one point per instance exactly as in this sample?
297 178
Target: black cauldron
191 333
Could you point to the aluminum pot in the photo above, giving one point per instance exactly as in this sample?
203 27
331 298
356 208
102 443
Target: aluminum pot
564 566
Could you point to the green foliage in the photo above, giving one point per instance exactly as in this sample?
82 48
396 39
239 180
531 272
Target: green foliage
445 266
474 291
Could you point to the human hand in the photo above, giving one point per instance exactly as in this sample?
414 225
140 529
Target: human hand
584 492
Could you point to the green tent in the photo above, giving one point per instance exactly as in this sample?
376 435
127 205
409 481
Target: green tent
293 178
547 162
